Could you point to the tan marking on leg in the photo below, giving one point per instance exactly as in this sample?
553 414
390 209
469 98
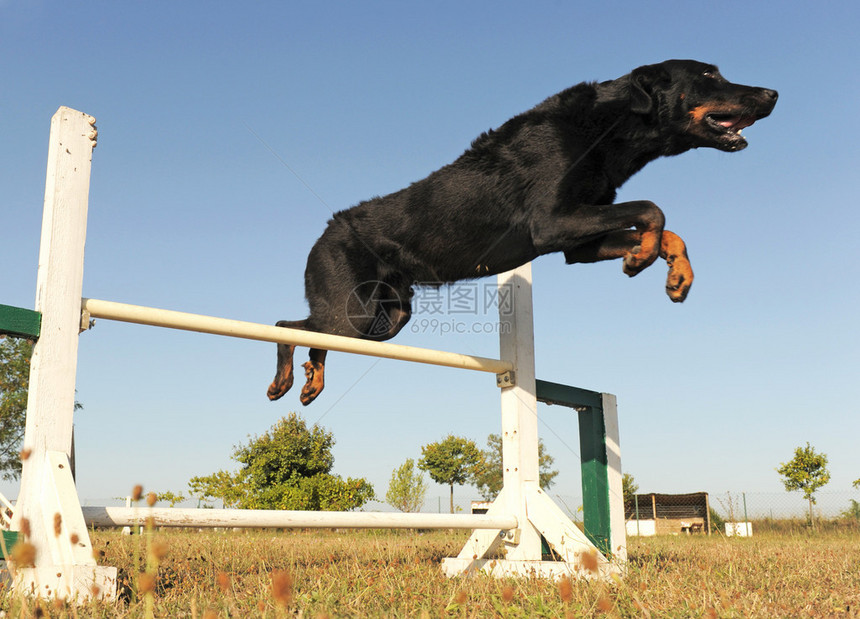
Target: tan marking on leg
315 375
680 277
283 376
634 262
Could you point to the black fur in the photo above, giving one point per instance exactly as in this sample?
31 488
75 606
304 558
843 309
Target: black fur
543 182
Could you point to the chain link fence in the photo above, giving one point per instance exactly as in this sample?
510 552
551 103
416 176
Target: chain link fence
785 505
789 512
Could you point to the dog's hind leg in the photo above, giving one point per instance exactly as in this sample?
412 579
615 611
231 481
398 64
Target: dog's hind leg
284 373
315 366
314 376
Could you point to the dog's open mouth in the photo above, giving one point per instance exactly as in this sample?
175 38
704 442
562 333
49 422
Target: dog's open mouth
728 126
730 123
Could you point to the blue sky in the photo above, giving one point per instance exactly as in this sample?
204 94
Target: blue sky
228 134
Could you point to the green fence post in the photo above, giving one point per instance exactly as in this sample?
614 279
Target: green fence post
595 479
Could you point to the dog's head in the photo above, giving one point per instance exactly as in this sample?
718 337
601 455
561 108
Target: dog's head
697 105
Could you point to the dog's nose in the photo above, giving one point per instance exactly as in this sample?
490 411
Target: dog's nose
771 94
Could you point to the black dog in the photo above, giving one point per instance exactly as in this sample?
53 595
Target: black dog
544 182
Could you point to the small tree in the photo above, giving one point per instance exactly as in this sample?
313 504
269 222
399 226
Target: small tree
288 467
853 511
806 472
169 497
227 487
450 461
14 380
488 474
629 487
856 483
407 488
15 356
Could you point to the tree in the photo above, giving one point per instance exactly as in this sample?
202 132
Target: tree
288 467
15 356
450 461
856 483
853 511
14 379
169 497
629 487
407 488
228 487
488 475
806 472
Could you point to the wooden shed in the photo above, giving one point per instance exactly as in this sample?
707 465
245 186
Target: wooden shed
671 513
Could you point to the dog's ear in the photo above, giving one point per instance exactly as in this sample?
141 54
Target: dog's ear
642 83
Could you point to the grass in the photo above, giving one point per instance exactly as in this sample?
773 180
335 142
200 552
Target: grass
396 574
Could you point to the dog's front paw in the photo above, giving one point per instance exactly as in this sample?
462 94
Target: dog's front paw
314 373
679 279
643 255
680 276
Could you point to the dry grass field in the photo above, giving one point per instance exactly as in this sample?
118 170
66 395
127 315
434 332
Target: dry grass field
396 574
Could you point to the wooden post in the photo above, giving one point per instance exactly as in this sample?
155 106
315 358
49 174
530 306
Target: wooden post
617 524
63 569
707 514
519 407
538 517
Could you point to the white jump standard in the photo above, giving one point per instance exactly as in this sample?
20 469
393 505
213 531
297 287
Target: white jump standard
522 526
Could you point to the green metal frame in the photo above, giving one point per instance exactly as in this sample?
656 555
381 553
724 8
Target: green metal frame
592 446
10 538
20 322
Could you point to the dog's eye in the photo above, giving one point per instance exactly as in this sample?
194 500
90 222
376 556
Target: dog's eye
710 74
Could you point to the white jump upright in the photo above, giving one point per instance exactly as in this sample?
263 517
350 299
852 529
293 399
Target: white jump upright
519 552
520 528
47 499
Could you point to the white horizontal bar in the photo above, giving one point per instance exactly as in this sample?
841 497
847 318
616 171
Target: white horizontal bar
273 518
138 314
6 504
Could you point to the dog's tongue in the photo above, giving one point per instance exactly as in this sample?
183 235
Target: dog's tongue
737 122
